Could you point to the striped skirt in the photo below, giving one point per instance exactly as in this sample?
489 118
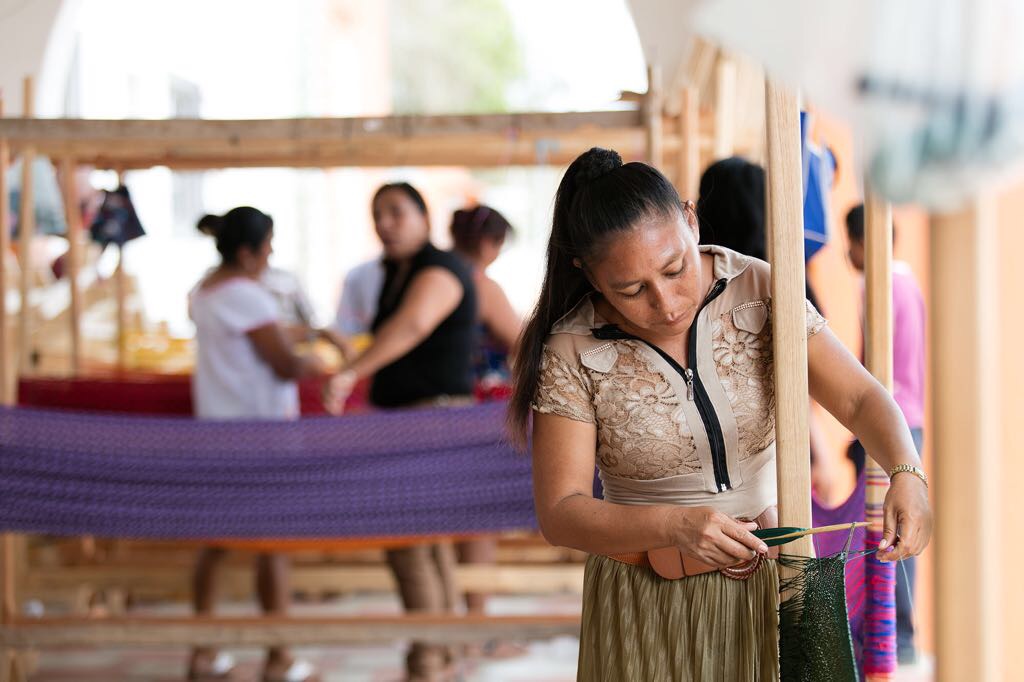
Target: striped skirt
707 628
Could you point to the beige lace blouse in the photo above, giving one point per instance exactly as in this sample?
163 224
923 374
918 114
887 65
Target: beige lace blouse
646 426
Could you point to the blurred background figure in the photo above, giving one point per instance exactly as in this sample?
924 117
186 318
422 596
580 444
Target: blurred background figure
245 369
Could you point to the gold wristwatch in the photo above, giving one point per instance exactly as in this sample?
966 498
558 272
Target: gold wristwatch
910 469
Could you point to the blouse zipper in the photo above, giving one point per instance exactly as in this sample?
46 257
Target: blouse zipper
695 390
704 405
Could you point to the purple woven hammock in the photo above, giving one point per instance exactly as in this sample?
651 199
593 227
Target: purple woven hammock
417 472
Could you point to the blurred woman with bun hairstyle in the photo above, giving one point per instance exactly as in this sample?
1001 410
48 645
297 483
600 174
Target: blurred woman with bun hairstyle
245 369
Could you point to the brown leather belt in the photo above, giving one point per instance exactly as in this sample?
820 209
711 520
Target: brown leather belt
672 564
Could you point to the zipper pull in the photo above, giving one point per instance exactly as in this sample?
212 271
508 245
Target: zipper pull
722 488
688 376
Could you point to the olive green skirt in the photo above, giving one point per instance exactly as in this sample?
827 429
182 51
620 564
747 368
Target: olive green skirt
638 626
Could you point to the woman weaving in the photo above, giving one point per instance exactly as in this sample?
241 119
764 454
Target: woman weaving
651 357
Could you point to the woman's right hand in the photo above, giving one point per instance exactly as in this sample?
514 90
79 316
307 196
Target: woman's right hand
712 537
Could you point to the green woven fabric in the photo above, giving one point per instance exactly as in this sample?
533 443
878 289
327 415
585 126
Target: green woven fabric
814 630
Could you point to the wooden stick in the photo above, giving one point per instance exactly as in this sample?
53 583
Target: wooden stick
73 215
821 529
653 126
879 332
26 232
688 152
965 316
9 658
8 563
7 380
789 326
121 295
8 570
725 108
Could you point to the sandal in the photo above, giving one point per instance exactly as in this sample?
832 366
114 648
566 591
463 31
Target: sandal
220 667
297 671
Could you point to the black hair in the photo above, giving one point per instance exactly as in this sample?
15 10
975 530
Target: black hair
855 223
243 226
731 206
471 226
598 197
731 211
408 190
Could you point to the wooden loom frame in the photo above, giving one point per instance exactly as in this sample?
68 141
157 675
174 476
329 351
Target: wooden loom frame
192 144
486 140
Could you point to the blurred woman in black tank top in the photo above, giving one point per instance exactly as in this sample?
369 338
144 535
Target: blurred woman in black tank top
424 338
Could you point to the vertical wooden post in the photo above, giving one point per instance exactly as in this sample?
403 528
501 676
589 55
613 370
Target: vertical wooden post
725 109
1010 403
7 563
10 660
653 106
789 316
26 232
6 375
73 215
969 528
121 295
688 155
880 622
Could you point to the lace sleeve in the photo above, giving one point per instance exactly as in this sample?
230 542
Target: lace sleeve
563 389
815 322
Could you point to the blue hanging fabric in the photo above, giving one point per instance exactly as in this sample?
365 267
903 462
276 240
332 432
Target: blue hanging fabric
818 172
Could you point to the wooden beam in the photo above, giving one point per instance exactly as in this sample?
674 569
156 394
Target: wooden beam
653 125
492 140
878 288
486 140
172 582
969 530
26 233
10 661
237 132
688 150
7 378
263 631
73 216
120 299
725 108
789 325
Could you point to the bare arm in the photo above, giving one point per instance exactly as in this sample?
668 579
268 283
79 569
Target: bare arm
498 315
339 341
844 388
271 343
563 475
433 295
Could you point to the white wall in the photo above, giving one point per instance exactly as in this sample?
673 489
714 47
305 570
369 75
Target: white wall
36 39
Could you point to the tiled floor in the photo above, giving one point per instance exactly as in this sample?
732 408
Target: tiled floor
550 661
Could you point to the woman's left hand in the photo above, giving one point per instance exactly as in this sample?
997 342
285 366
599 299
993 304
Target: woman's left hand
338 389
908 519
